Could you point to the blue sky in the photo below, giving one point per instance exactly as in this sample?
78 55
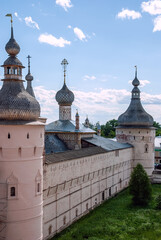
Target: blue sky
102 41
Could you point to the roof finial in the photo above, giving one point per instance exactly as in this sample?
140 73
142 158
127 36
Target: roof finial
135 71
10 15
28 63
64 63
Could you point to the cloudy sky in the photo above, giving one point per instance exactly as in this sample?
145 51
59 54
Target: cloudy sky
102 41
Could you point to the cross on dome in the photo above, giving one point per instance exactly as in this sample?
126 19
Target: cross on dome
64 63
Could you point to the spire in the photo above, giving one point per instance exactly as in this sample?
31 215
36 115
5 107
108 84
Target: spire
12 47
29 79
77 121
64 63
28 63
135 82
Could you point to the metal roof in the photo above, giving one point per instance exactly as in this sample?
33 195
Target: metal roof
73 154
53 144
107 143
66 126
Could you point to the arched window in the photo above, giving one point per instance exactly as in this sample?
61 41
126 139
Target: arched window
8 70
28 135
38 187
50 229
12 192
9 135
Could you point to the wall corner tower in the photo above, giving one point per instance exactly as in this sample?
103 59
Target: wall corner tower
21 150
135 126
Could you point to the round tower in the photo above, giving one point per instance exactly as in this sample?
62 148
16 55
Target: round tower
21 150
135 126
64 97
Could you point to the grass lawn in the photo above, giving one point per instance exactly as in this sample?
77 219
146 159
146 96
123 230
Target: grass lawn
117 219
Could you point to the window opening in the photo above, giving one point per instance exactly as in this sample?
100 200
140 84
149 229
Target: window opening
12 192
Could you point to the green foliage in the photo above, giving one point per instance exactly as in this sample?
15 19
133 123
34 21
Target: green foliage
158 202
158 128
118 219
140 186
108 130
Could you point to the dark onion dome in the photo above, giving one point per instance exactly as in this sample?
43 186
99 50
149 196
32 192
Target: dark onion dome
135 115
12 47
16 103
64 96
29 77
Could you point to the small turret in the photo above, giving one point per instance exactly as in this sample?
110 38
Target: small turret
29 78
77 121
86 123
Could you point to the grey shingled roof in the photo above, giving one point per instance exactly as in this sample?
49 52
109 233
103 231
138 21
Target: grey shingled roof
106 143
66 126
73 154
53 144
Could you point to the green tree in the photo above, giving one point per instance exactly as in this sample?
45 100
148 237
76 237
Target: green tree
158 128
140 186
108 130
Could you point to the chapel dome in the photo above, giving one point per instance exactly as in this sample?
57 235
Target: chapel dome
64 96
12 47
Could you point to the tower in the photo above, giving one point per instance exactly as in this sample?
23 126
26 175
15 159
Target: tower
21 149
64 97
86 122
29 78
135 126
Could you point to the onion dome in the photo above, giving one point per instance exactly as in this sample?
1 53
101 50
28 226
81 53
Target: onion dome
135 115
64 96
15 102
29 79
12 47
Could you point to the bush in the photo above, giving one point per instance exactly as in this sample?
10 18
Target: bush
158 202
140 186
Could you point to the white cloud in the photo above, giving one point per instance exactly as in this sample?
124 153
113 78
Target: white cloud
87 77
126 13
143 83
106 104
30 23
157 24
64 3
16 15
69 26
79 33
152 7
51 40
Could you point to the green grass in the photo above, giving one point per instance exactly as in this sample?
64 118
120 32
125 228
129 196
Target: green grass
117 219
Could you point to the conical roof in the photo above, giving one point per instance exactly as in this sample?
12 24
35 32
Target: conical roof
135 115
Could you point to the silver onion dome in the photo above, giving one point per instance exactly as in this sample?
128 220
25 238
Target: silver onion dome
64 96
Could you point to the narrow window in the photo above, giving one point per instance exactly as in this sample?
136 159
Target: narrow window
9 135
143 137
86 206
103 196
12 192
34 150
146 148
76 212
109 191
8 70
50 229
38 187
28 135
95 201
64 220
120 183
